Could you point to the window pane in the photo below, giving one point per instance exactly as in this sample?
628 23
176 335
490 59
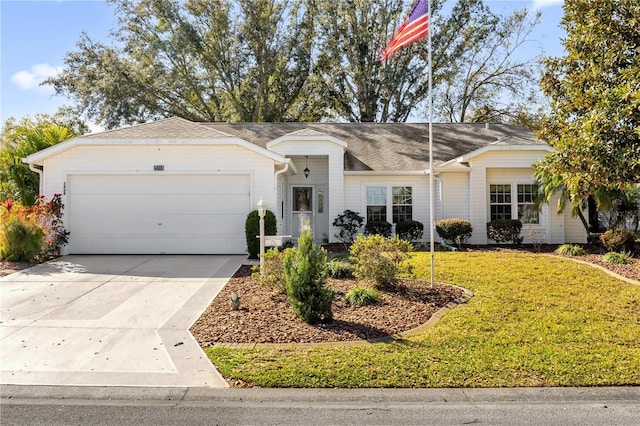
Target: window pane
402 195
376 213
376 195
526 196
302 199
402 213
500 211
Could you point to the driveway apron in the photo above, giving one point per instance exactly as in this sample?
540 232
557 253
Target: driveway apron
110 320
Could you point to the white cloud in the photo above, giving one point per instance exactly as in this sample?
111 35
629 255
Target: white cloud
31 79
540 4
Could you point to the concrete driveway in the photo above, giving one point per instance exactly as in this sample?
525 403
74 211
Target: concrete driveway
110 320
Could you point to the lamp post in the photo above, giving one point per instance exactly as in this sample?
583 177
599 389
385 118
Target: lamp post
262 208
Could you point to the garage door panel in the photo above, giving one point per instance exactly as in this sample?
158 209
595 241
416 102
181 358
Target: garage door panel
148 214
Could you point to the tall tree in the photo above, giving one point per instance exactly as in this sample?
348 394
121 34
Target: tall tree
204 60
486 82
594 124
23 138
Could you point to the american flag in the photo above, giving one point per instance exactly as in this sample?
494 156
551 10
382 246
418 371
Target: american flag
415 27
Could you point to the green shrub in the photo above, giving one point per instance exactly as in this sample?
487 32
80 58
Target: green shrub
362 296
272 270
623 258
618 240
305 272
570 250
349 223
505 230
21 239
409 230
340 268
454 231
378 259
378 228
252 229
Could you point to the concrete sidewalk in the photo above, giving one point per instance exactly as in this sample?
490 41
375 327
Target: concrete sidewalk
110 321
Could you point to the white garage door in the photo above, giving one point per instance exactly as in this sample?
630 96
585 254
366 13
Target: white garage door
146 214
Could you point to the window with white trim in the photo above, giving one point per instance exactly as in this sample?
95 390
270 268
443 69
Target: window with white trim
527 212
376 203
389 203
500 201
402 204
503 203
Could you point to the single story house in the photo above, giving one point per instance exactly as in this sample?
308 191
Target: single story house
176 186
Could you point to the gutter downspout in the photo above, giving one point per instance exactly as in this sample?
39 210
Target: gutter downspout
275 185
33 168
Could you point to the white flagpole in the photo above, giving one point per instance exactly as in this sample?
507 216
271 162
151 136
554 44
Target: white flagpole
432 223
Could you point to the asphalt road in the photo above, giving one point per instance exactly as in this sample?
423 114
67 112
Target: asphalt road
195 406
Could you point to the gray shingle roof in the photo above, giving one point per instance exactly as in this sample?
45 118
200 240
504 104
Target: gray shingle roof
168 128
371 146
390 146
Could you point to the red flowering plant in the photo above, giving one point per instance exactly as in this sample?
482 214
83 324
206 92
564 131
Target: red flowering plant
49 215
43 215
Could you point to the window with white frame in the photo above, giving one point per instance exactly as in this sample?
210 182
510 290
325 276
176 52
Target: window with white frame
402 204
376 203
502 203
527 212
389 203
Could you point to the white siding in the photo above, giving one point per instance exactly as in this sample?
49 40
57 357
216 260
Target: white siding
574 231
507 166
455 196
177 160
355 196
327 151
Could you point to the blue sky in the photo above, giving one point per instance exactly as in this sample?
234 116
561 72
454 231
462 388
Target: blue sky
35 35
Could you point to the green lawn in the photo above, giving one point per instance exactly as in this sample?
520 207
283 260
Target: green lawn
535 320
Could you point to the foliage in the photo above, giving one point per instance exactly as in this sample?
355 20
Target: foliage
297 60
378 228
486 82
252 230
623 258
340 268
618 240
409 230
570 250
203 60
306 277
362 296
535 320
21 139
272 274
454 231
21 239
594 125
349 223
30 227
378 259
505 230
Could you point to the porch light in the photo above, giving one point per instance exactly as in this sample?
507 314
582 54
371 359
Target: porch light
306 170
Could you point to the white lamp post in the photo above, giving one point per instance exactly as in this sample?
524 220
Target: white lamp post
262 208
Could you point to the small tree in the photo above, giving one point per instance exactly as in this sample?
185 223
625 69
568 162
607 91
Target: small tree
349 223
306 276
252 230
378 259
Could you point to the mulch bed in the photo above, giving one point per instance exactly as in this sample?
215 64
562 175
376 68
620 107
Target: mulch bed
266 317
